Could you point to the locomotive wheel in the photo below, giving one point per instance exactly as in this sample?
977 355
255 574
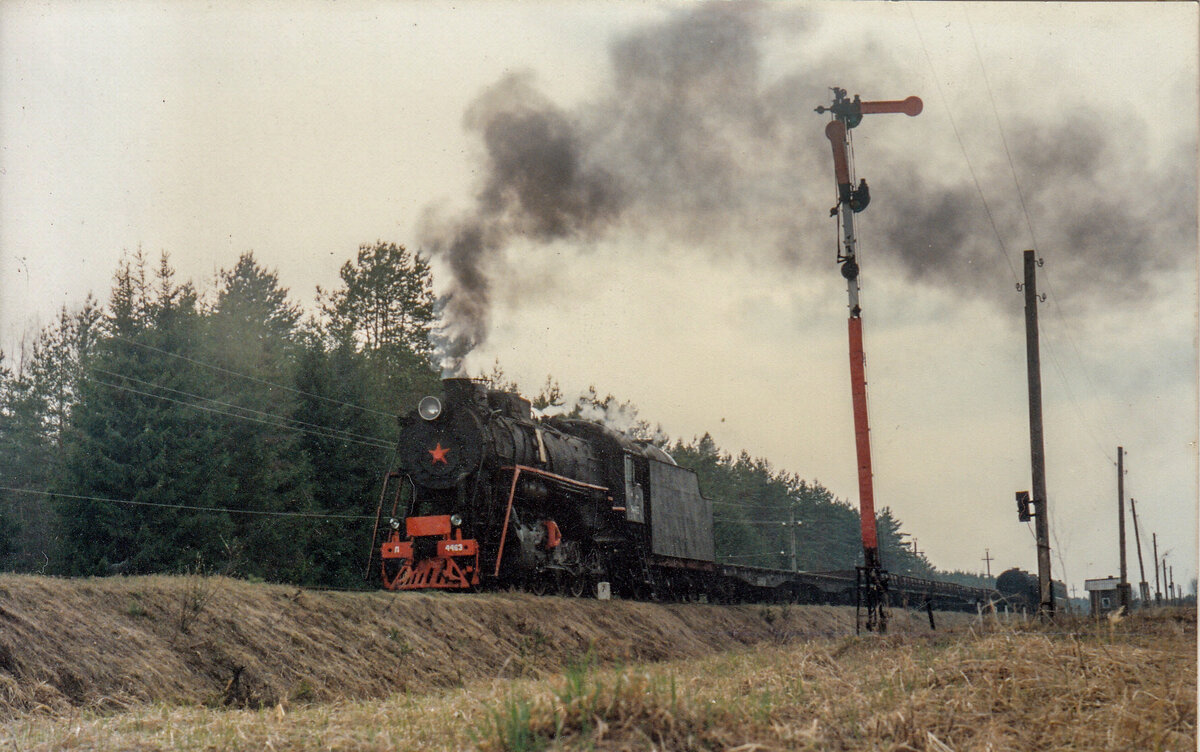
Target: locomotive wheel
561 581
576 586
538 583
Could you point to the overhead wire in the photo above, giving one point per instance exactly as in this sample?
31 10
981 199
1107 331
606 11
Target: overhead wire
1079 356
740 505
379 445
778 523
962 147
1071 398
298 422
1046 276
265 382
190 507
1003 139
251 378
987 210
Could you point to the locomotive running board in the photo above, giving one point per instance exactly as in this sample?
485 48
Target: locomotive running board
512 492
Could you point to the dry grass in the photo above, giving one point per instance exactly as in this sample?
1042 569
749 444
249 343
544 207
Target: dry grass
1070 686
117 643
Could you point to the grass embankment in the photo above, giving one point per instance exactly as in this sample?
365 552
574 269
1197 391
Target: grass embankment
1075 686
117 643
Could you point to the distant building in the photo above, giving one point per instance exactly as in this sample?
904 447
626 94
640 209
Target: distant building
1103 595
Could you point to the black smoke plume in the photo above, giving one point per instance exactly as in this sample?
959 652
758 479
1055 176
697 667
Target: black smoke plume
538 185
694 142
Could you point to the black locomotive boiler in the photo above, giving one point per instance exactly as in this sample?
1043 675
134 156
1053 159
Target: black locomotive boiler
488 495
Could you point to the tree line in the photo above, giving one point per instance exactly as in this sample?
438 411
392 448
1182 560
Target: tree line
168 430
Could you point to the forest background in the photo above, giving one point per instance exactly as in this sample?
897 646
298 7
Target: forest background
232 431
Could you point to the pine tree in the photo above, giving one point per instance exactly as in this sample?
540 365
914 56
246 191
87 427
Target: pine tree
385 310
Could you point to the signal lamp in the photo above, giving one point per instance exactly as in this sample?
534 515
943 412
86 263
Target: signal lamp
455 520
429 408
1025 506
395 523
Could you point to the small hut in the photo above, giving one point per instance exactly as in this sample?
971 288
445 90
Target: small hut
1103 595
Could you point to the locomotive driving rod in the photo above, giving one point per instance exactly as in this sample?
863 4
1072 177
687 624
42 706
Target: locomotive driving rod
846 115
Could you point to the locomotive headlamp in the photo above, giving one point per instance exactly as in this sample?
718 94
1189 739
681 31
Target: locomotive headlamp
395 523
455 520
429 408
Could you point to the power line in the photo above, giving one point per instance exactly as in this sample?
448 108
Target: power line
346 434
1000 127
251 378
1079 356
995 230
326 435
962 147
1071 398
780 523
740 505
228 510
1025 211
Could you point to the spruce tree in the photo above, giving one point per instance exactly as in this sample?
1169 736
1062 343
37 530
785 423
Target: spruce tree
248 353
137 447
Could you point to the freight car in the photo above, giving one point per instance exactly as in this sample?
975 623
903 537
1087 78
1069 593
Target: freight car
1020 591
486 496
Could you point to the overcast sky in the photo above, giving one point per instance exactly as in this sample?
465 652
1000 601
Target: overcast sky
652 189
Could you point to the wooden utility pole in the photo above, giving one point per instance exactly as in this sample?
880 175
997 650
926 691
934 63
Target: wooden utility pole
1166 586
1157 589
1037 451
1124 596
1143 586
987 558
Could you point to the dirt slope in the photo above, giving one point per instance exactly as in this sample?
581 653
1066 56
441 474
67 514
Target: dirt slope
116 642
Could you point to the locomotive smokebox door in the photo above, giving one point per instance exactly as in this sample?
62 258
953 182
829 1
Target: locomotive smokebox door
440 453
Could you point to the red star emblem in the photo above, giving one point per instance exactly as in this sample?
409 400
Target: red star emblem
439 454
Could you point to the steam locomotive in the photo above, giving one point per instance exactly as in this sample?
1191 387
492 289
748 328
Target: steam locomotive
487 496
